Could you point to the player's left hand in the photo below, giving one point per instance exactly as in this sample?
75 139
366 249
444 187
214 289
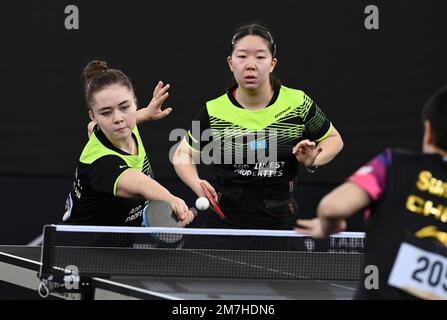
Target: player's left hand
306 152
153 110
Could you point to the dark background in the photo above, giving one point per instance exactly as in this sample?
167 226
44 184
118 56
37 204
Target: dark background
371 83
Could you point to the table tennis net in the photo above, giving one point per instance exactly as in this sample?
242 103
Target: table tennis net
200 253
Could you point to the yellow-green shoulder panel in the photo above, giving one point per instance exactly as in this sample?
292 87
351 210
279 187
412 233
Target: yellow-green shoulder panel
94 150
288 102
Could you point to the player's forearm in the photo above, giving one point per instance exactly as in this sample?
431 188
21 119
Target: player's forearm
143 116
186 170
152 190
333 214
331 146
342 202
134 184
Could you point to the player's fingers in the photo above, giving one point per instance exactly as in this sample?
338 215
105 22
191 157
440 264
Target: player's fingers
162 114
303 146
305 223
304 231
341 226
211 189
180 215
189 217
158 100
157 88
297 149
307 148
182 210
305 141
163 90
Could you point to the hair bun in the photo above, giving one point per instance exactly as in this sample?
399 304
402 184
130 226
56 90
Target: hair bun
94 68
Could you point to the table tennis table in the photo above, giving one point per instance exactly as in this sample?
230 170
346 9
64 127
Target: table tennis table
20 265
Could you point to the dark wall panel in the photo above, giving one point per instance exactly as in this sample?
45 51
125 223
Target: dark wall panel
371 83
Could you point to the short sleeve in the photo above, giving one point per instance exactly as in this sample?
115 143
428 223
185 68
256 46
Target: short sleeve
317 125
105 172
372 176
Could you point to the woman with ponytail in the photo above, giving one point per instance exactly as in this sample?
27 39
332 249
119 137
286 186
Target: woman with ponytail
114 180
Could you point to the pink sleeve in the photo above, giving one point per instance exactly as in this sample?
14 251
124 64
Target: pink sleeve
372 176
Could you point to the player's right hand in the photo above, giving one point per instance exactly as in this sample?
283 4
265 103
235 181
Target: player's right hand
182 211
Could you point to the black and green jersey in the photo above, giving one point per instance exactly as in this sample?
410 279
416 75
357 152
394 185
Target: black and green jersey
93 199
256 146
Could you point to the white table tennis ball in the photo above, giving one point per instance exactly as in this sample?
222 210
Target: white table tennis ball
202 203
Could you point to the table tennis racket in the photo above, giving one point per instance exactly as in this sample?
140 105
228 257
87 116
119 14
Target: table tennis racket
213 201
160 214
